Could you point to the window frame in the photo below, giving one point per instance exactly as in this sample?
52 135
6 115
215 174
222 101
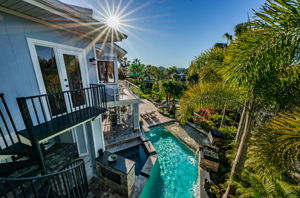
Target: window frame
114 76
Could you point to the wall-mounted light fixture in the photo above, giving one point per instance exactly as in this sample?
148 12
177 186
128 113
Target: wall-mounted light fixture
93 61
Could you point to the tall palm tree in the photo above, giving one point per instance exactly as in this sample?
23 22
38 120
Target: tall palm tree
276 145
228 37
205 67
273 155
266 62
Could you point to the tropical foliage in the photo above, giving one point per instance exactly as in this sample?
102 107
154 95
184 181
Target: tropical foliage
260 70
276 145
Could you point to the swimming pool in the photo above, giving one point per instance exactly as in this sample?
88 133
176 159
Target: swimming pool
175 174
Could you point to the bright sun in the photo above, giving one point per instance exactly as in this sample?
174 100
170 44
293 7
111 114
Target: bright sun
113 22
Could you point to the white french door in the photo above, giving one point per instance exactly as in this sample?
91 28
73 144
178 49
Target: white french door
59 68
71 63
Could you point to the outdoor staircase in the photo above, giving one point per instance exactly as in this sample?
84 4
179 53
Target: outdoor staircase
15 155
21 173
68 182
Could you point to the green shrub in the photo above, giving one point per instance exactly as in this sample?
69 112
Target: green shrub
206 125
216 119
133 81
145 96
229 132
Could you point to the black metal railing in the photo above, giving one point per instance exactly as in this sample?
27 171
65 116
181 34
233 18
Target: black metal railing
8 130
51 113
71 181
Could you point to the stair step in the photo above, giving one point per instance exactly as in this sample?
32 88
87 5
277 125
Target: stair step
7 168
17 149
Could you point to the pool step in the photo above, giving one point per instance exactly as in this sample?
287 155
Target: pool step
127 143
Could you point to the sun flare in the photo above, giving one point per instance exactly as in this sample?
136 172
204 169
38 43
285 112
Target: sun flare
113 22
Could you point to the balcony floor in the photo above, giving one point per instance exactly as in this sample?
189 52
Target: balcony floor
61 123
117 133
125 94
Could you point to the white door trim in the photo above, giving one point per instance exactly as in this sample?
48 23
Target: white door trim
31 45
85 140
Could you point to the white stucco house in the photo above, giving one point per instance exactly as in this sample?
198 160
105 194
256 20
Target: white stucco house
59 75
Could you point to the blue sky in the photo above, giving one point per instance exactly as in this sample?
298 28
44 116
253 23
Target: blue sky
172 32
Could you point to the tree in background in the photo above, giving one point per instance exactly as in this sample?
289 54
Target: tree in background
122 73
124 63
172 90
206 67
136 68
228 38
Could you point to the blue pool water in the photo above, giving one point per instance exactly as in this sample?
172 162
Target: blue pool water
138 154
176 172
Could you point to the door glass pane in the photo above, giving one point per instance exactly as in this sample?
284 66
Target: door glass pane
51 79
106 71
81 140
74 77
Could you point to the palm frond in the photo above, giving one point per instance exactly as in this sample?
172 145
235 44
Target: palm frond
276 145
213 95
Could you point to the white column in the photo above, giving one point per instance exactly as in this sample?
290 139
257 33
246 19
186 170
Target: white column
119 115
136 117
98 135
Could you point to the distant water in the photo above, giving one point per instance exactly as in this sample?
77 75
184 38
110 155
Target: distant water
176 172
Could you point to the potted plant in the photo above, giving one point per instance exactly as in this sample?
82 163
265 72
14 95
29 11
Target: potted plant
114 119
112 158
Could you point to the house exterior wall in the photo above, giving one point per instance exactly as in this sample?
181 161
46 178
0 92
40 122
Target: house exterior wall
16 69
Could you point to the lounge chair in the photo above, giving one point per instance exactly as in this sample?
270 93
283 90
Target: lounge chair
145 115
152 114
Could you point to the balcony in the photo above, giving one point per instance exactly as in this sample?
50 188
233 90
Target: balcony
128 90
48 115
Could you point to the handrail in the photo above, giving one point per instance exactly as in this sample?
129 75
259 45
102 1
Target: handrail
71 181
8 125
61 92
50 113
129 85
65 169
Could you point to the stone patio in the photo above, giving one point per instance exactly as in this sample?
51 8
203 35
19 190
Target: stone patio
119 132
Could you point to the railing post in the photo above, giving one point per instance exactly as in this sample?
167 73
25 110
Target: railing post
10 117
29 126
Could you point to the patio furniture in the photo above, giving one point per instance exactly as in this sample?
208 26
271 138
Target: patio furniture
145 115
152 114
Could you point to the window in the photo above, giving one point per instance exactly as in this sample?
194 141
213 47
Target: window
106 71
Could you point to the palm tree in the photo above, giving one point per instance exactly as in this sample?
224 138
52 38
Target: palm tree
214 95
205 67
251 185
273 156
228 37
276 145
265 61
